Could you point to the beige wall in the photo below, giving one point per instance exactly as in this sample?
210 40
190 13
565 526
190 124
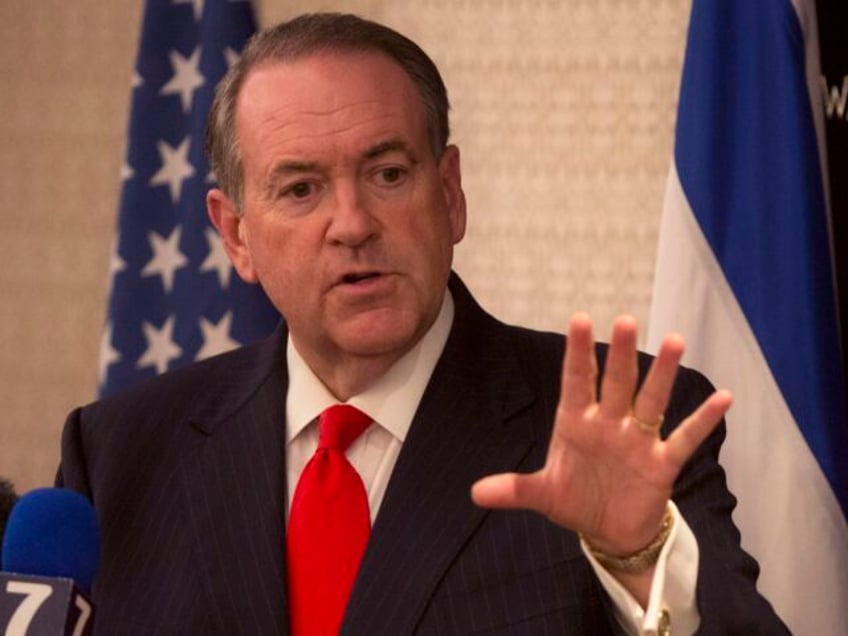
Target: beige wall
563 110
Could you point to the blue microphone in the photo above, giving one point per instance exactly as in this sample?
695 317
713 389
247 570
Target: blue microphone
49 559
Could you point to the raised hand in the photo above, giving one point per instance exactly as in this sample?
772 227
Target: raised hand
608 474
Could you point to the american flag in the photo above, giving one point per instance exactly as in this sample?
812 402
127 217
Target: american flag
174 296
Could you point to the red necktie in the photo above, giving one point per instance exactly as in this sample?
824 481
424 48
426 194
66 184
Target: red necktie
329 524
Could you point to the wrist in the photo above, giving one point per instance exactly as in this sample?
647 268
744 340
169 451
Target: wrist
641 560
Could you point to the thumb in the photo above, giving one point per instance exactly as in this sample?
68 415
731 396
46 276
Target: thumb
509 491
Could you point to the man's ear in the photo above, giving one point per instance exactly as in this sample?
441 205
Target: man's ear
451 177
233 231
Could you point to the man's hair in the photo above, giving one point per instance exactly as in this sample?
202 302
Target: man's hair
8 499
299 38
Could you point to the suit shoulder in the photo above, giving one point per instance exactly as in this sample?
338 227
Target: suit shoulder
544 352
207 385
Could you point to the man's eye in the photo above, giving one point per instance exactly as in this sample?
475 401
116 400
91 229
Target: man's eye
299 190
391 176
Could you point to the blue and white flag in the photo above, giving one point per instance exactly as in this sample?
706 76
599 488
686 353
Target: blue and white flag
744 272
174 295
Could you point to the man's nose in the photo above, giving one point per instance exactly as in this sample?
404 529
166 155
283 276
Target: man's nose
352 222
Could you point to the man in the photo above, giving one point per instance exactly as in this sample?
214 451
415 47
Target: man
340 195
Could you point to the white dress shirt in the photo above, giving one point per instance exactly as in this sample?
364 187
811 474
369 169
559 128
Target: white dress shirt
392 401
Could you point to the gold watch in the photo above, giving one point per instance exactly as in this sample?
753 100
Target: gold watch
641 560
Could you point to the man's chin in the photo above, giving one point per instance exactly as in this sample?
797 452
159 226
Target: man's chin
379 333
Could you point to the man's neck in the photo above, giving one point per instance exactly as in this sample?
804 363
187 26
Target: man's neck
347 376
351 376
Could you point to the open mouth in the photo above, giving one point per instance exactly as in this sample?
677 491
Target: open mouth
353 279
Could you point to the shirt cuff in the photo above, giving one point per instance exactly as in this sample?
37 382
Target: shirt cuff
673 588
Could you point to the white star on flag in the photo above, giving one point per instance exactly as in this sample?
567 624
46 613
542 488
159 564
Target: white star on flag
167 257
108 353
127 171
187 77
137 80
216 337
175 167
161 348
217 258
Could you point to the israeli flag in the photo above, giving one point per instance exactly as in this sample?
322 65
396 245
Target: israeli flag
744 272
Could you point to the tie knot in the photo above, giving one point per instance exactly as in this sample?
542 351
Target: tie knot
340 425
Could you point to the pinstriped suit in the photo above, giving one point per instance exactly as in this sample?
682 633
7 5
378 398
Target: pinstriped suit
187 474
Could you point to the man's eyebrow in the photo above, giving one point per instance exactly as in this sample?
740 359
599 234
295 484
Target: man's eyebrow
390 145
285 168
288 167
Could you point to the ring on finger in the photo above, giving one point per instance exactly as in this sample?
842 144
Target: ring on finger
653 428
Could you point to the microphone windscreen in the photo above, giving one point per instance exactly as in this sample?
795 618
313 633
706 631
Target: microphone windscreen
53 533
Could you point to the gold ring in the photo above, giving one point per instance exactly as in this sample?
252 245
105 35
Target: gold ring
648 427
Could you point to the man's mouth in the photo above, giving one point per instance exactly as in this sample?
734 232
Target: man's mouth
358 277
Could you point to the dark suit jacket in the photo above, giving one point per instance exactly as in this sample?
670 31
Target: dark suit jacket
187 475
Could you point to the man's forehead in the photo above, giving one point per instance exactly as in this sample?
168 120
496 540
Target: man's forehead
318 74
326 93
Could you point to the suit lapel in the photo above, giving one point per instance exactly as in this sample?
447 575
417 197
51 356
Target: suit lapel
234 484
462 431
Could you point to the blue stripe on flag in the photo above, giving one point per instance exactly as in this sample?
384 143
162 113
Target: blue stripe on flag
747 156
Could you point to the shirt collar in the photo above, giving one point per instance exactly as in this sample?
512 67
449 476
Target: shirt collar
391 401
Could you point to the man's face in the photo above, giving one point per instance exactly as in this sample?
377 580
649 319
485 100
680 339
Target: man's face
348 221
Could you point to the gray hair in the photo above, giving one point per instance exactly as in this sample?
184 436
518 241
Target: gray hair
298 38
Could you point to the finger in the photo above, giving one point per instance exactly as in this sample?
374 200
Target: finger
691 433
620 373
579 368
510 491
653 396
